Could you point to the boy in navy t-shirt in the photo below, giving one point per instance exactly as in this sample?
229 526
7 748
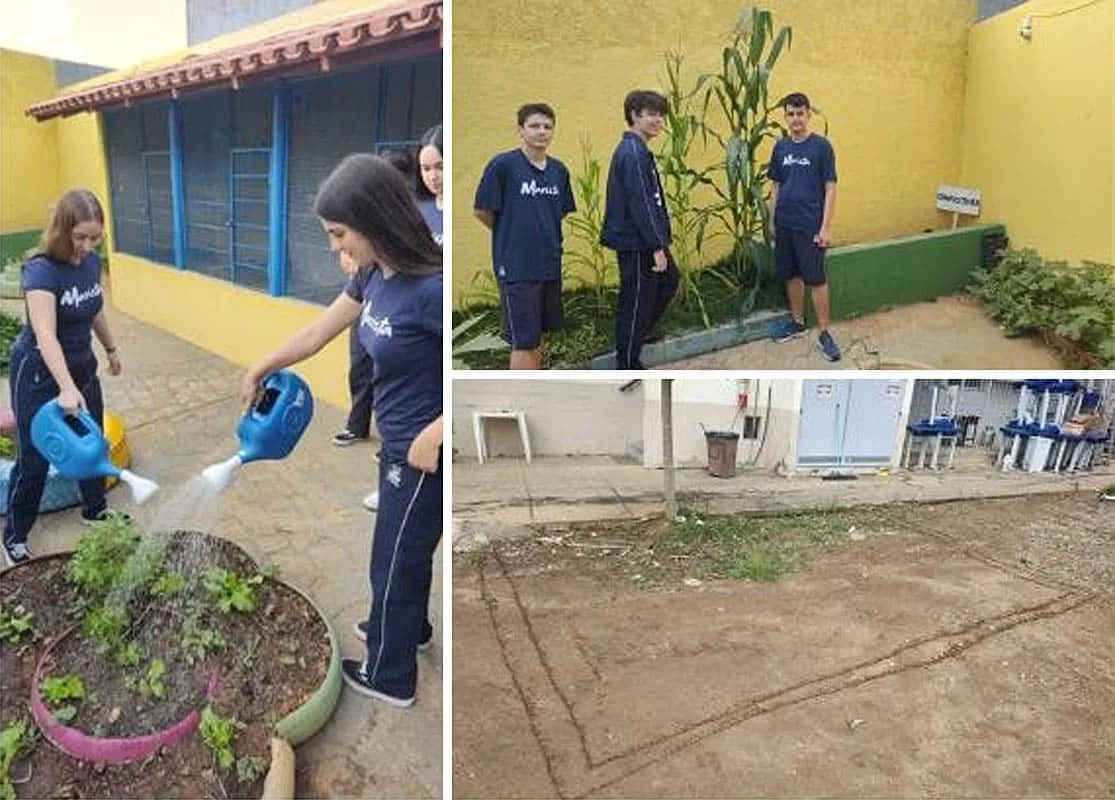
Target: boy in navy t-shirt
803 199
637 227
522 197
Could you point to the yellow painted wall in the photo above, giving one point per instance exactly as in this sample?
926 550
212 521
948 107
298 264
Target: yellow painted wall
888 74
1038 137
29 173
82 164
235 323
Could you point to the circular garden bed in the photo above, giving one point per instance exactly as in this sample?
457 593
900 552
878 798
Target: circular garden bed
154 666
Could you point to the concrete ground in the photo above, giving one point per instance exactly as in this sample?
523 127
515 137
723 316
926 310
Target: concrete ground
937 650
506 497
303 514
951 333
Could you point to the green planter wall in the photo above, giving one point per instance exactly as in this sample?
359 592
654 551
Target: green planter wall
868 277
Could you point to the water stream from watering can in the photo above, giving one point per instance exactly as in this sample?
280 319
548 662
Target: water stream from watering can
193 507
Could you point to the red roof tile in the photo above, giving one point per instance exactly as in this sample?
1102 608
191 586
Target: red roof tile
276 54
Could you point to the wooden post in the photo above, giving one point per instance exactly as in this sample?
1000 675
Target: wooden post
668 448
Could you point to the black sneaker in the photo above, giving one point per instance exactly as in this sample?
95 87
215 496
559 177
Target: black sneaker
361 631
123 515
352 670
16 553
346 437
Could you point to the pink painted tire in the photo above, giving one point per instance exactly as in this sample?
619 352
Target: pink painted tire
95 749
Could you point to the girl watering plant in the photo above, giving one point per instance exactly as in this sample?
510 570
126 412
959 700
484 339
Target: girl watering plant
53 356
370 217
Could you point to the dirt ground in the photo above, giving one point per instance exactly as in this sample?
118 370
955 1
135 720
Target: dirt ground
961 649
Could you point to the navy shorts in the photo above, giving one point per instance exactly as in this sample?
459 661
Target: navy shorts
530 308
797 256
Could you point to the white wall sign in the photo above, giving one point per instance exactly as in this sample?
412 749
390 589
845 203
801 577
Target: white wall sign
958 200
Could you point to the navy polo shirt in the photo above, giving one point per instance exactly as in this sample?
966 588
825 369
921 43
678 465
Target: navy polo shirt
801 170
400 327
433 216
529 204
77 300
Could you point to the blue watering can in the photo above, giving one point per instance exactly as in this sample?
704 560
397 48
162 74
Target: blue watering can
76 447
271 428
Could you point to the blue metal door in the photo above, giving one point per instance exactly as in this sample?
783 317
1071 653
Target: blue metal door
249 209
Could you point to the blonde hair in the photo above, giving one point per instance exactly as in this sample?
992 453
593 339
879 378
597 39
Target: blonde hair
73 208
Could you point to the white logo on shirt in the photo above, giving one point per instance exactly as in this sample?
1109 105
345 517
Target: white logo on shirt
533 189
73 297
395 475
790 160
378 327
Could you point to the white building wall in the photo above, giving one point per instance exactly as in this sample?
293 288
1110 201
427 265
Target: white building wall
581 417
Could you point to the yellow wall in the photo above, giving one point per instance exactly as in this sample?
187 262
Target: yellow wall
888 74
1038 135
235 323
29 174
82 163
112 33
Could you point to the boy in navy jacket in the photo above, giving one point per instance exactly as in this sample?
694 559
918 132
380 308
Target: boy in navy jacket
637 227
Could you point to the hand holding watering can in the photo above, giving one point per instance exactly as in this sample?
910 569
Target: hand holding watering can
77 448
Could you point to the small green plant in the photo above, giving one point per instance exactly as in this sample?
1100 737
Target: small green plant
198 640
101 556
230 590
14 739
595 268
151 684
56 691
248 768
219 733
10 327
130 655
7 448
105 627
168 584
16 624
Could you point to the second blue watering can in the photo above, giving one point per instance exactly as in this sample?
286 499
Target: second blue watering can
271 428
75 446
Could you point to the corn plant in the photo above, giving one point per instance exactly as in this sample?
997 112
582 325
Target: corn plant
741 122
597 269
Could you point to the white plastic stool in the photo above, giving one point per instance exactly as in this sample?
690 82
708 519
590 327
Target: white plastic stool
478 429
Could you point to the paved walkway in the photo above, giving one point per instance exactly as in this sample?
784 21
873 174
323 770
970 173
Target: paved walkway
303 514
504 497
951 333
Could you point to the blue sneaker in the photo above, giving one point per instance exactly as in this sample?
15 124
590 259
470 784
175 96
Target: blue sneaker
790 329
828 346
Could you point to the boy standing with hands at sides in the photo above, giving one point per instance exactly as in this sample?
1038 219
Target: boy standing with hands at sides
637 227
803 201
522 198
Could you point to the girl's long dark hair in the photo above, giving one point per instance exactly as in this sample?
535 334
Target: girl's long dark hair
367 194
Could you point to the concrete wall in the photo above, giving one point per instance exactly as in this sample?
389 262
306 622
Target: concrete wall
578 417
714 403
889 75
1038 126
29 172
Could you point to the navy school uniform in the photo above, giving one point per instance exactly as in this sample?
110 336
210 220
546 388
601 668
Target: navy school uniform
78 299
400 326
801 170
433 216
636 224
529 203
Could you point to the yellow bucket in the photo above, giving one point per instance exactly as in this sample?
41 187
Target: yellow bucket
117 445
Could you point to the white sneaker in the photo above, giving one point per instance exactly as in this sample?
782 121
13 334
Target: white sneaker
371 502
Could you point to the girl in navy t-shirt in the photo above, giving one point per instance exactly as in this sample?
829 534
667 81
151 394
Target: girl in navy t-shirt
369 215
430 169
53 356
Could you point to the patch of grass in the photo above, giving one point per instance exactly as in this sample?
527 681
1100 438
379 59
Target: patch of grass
762 549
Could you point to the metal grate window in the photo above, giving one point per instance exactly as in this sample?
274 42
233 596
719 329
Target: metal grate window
139 161
361 111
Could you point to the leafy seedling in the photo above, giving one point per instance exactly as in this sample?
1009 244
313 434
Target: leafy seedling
16 624
248 768
14 739
230 590
219 733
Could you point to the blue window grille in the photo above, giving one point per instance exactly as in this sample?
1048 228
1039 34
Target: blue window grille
139 162
226 170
